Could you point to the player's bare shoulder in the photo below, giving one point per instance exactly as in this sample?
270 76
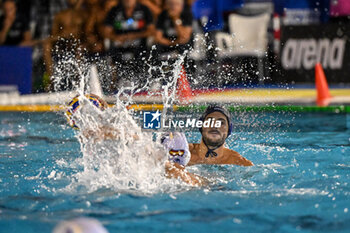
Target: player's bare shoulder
233 157
194 149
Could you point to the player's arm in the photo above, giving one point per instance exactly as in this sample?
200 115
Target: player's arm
177 171
105 133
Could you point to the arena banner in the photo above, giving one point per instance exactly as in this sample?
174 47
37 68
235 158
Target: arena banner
16 68
303 46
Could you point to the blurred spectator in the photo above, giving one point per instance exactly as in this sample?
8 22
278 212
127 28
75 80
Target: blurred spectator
14 27
97 11
127 26
154 5
94 26
42 14
174 28
109 4
67 32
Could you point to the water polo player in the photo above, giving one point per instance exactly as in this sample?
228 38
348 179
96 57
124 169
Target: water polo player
211 149
175 145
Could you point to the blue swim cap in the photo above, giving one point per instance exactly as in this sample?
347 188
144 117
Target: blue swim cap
217 108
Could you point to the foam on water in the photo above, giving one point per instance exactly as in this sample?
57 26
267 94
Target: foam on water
129 161
132 160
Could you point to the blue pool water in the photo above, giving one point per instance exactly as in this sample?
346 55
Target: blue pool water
300 181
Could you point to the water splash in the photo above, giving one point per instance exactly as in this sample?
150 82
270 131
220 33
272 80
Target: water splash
129 160
116 154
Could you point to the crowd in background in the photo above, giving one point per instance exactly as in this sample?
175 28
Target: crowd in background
122 30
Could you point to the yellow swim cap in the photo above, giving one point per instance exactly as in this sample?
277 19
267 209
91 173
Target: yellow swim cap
74 105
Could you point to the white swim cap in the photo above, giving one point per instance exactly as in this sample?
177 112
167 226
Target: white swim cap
80 225
177 148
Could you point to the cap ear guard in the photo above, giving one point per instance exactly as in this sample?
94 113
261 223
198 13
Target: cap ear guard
216 108
177 148
230 126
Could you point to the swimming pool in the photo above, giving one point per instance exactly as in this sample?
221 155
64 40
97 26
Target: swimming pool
300 181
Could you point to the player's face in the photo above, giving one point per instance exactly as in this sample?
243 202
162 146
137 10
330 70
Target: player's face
9 8
174 7
215 136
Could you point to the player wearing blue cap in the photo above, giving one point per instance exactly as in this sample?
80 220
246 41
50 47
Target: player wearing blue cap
211 149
